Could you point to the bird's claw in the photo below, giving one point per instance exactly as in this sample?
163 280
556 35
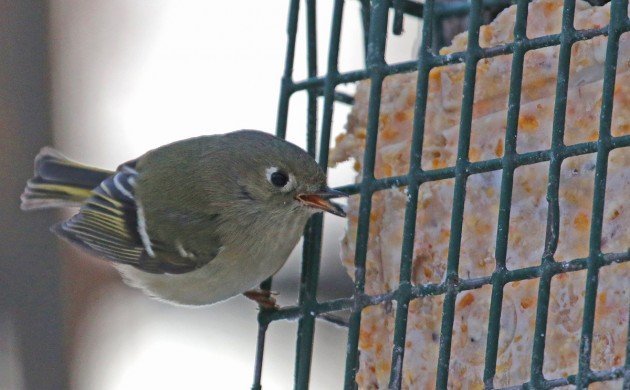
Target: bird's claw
264 298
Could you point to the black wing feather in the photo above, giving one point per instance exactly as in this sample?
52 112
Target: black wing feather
107 226
107 222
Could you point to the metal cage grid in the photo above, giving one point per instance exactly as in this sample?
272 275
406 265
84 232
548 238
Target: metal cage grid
375 21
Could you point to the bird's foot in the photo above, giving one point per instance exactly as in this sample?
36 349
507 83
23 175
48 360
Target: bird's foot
264 298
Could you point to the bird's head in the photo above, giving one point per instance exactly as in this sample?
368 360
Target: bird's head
277 176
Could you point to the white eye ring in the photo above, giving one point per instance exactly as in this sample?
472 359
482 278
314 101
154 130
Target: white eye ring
290 184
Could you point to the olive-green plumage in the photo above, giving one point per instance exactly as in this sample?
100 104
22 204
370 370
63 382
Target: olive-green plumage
193 222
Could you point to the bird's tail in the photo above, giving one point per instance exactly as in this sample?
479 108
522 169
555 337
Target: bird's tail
59 182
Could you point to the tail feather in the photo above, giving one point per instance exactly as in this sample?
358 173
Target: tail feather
59 182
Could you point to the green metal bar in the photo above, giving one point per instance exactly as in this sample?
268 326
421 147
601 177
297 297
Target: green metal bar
312 244
463 8
340 97
311 57
281 127
409 229
286 86
311 253
597 376
397 26
311 247
344 98
459 195
607 375
507 181
618 9
418 291
365 20
375 62
459 57
495 164
330 82
439 40
260 351
260 342
553 212
411 8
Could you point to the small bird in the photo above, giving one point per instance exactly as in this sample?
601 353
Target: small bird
193 222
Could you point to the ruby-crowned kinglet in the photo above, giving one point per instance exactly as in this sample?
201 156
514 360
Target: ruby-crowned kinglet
193 222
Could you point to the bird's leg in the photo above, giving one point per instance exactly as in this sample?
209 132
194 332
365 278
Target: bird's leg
264 298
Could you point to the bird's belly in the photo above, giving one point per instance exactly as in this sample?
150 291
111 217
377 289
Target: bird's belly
223 277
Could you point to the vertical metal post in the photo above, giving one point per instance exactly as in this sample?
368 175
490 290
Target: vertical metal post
375 63
618 13
507 181
459 195
553 212
415 166
286 90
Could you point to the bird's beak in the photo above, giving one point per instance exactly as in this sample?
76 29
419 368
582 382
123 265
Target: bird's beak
321 200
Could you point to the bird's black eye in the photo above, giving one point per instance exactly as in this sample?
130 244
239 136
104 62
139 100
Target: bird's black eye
279 179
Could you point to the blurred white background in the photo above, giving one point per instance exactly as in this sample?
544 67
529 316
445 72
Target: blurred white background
130 75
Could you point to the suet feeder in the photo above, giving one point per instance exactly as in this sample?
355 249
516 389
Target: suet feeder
453 288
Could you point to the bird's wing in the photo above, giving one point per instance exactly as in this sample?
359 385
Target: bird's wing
111 225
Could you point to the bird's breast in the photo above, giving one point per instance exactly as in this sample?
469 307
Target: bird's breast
247 258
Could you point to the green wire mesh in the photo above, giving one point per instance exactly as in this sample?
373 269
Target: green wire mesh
375 21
